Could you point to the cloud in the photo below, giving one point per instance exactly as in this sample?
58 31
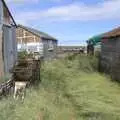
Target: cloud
31 1
109 9
22 1
56 0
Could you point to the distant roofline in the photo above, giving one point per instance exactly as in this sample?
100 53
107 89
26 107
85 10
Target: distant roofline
27 28
4 3
70 46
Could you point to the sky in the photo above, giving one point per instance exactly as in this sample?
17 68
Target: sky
72 22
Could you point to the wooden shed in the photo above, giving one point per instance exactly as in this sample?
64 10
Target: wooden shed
8 44
33 40
110 53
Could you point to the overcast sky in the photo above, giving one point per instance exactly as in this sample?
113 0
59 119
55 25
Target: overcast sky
72 22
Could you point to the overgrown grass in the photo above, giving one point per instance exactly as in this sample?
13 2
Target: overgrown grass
71 89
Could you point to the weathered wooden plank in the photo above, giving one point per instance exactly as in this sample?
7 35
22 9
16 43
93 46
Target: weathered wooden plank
110 57
1 40
1 56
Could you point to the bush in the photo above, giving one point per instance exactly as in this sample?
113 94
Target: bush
22 54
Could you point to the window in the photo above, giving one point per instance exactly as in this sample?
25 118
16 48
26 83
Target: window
50 45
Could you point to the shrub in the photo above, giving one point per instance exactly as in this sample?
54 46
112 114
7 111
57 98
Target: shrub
22 54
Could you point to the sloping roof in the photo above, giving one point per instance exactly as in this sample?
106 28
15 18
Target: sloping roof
4 3
37 32
113 33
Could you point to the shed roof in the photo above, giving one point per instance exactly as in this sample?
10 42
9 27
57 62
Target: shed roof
113 33
37 32
4 3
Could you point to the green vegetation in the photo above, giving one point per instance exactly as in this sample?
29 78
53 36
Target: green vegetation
71 89
24 55
5 78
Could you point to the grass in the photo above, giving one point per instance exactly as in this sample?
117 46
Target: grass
71 89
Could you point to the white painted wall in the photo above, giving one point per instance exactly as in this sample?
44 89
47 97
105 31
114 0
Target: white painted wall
31 47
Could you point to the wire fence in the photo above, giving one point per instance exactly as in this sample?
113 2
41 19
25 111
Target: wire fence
6 88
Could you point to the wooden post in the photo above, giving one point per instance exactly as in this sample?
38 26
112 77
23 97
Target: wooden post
1 56
1 41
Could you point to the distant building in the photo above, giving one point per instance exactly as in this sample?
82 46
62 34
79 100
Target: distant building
94 44
32 40
8 44
110 53
71 49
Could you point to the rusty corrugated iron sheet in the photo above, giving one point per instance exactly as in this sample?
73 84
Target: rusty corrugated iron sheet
113 33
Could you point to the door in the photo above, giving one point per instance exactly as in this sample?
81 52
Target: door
7 48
